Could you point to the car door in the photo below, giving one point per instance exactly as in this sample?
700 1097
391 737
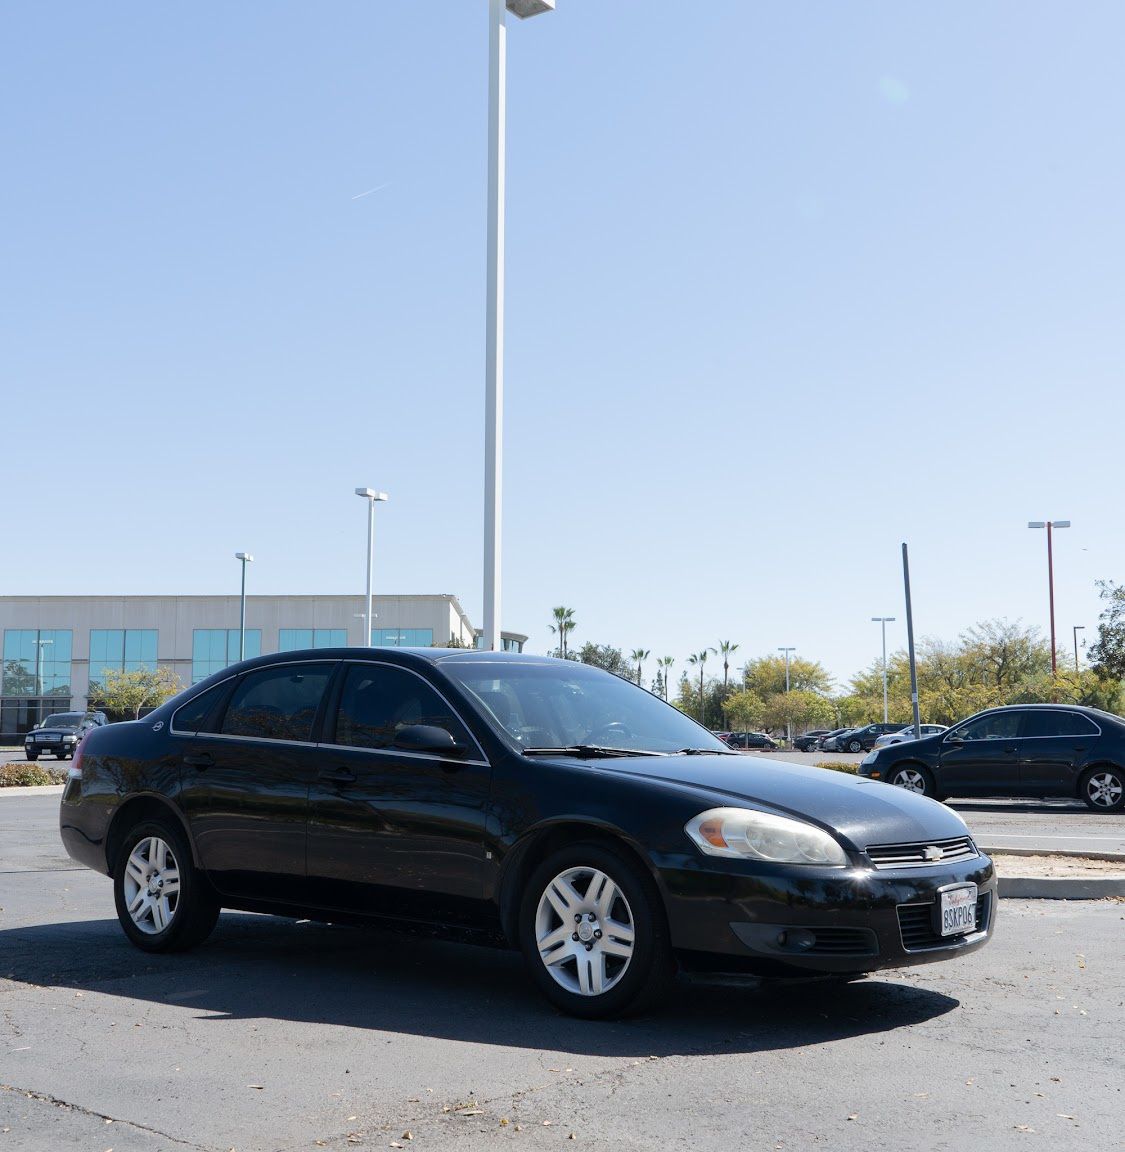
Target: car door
245 782
981 756
1054 746
394 832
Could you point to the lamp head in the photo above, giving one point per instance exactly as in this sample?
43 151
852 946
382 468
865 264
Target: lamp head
245 557
525 8
371 494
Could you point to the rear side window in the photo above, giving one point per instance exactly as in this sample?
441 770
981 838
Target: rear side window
1058 724
378 700
277 703
194 715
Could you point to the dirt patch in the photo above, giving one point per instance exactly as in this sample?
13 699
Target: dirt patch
1063 867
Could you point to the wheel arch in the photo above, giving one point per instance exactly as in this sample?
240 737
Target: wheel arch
539 842
1086 772
137 808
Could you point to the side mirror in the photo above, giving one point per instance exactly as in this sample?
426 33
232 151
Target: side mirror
428 738
955 738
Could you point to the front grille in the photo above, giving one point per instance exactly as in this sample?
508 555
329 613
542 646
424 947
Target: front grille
915 855
916 925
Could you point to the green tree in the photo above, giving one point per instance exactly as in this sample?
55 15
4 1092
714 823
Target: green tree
726 649
607 657
665 663
127 693
798 708
640 655
1107 653
765 676
563 626
18 681
745 711
698 660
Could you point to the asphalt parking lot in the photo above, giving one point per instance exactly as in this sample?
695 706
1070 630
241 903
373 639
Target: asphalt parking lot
277 1035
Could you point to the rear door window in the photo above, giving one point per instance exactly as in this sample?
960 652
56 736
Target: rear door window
1059 724
278 703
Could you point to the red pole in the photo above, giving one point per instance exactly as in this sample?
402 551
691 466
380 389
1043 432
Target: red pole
1051 587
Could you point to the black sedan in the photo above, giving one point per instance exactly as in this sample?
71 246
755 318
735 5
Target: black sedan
1024 750
748 740
514 800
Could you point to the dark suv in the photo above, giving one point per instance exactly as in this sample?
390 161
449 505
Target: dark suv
863 739
1022 750
59 734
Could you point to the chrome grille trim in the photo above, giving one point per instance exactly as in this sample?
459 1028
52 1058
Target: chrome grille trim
922 854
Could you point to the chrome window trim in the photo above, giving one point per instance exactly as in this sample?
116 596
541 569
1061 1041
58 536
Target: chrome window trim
398 752
440 695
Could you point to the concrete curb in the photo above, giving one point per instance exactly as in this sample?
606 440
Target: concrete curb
1112 857
33 790
1061 888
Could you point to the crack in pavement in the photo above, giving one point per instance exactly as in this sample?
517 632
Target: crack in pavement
46 1098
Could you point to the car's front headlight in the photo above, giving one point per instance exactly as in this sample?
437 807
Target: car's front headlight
870 758
744 834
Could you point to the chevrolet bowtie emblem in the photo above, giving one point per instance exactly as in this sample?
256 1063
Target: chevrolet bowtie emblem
933 853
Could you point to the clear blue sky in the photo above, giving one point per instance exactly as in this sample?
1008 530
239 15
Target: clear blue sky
788 284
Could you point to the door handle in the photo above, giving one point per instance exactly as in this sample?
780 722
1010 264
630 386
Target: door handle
337 775
199 760
1011 751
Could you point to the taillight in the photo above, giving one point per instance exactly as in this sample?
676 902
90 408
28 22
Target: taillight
75 770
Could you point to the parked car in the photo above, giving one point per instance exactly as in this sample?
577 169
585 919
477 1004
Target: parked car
748 740
539 804
807 740
863 739
60 733
1020 750
827 742
905 734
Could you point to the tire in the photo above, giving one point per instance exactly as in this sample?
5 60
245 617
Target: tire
914 778
60 755
633 974
32 756
1103 788
174 921
855 746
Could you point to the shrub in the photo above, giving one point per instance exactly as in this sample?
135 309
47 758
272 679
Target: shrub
838 766
22 775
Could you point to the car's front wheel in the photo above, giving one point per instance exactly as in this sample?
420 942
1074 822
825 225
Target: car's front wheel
914 778
593 932
162 901
1103 789
32 756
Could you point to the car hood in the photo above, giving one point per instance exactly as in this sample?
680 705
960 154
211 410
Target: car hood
861 811
54 730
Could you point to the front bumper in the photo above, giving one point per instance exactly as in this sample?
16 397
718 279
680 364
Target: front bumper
786 922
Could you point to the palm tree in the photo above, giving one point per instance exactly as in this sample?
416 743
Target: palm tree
727 650
666 663
563 625
699 659
640 655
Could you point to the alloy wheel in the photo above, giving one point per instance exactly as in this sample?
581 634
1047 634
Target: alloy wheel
152 885
584 931
1104 789
910 779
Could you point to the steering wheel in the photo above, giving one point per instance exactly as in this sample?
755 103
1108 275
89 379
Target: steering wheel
607 731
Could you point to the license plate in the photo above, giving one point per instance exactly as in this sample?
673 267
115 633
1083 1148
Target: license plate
958 910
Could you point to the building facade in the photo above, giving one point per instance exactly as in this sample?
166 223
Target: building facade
55 648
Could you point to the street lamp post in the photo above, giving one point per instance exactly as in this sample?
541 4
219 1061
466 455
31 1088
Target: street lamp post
494 319
40 645
1049 524
884 620
788 725
372 497
1077 628
246 558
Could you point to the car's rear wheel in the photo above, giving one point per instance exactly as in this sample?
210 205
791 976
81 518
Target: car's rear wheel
162 901
1103 789
593 932
32 756
855 746
914 778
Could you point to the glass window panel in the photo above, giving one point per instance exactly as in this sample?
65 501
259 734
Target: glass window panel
292 639
277 703
378 701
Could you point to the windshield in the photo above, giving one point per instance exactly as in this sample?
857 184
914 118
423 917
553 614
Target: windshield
63 720
565 704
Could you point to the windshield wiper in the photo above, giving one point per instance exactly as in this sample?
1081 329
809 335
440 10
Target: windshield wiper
590 751
703 752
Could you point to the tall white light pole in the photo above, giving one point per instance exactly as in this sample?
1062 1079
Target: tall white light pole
884 620
494 321
372 497
788 726
246 558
